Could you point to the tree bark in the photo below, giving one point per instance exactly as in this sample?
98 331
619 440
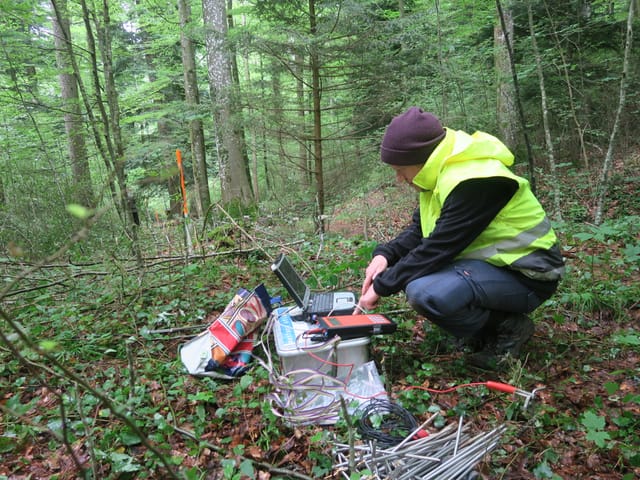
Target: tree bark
506 114
443 74
303 148
73 122
192 98
234 180
317 123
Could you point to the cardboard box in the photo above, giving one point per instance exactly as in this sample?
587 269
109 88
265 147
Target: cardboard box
295 352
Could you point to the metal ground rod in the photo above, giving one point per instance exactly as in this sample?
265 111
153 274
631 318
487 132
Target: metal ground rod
485 443
462 470
466 457
458 433
424 467
386 455
420 467
465 464
415 431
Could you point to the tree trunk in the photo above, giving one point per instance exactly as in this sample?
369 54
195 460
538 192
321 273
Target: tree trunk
317 124
126 199
255 127
112 158
506 114
603 184
235 81
557 214
99 126
73 121
303 148
516 91
192 98
165 132
235 184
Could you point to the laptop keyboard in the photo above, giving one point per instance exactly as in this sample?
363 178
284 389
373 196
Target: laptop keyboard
322 302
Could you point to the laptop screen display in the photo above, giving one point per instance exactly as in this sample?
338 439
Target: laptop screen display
292 281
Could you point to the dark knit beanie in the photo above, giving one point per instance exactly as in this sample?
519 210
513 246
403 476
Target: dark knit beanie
411 137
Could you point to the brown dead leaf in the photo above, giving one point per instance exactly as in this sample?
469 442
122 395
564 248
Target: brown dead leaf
594 461
255 452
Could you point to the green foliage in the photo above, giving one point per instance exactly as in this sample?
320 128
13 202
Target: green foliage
589 286
373 61
594 426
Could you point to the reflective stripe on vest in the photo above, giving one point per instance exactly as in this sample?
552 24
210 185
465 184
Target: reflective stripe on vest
519 242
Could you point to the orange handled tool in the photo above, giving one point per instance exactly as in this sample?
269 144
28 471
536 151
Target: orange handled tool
506 388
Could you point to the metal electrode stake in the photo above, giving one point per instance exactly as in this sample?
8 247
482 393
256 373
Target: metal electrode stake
450 453
374 446
455 448
412 434
440 446
333 355
466 460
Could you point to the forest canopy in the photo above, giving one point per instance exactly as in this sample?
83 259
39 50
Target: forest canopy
282 104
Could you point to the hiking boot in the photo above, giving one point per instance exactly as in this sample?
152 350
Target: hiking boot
475 344
511 334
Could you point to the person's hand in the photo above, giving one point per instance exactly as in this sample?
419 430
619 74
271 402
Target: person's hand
377 265
368 301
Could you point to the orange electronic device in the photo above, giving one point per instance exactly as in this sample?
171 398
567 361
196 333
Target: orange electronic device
354 326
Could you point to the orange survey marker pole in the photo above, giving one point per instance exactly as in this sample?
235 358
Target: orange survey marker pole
185 208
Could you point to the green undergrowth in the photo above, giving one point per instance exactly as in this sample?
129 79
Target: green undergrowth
92 369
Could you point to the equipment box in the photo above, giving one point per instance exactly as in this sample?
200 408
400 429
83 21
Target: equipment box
336 358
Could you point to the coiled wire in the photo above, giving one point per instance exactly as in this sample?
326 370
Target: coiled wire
385 422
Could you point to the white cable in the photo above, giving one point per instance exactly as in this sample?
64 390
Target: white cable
302 396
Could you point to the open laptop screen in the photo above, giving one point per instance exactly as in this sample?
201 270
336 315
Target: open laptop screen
292 281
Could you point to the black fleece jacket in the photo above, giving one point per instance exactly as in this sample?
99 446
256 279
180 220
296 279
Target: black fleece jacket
467 211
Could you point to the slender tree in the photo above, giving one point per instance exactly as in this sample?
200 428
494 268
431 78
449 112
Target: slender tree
192 98
557 210
571 94
314 67
520 109
128 206
506 110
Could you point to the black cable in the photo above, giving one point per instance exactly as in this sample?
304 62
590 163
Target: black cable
385 422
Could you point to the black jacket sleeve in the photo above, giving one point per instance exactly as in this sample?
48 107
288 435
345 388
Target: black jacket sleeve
466 212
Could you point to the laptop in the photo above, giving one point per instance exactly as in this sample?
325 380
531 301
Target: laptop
312 304
355 326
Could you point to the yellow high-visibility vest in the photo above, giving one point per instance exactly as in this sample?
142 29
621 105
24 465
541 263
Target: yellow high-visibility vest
519 230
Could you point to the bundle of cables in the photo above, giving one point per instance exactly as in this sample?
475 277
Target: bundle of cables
385 422
302 396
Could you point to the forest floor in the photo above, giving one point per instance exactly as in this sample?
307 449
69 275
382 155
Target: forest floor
582 424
